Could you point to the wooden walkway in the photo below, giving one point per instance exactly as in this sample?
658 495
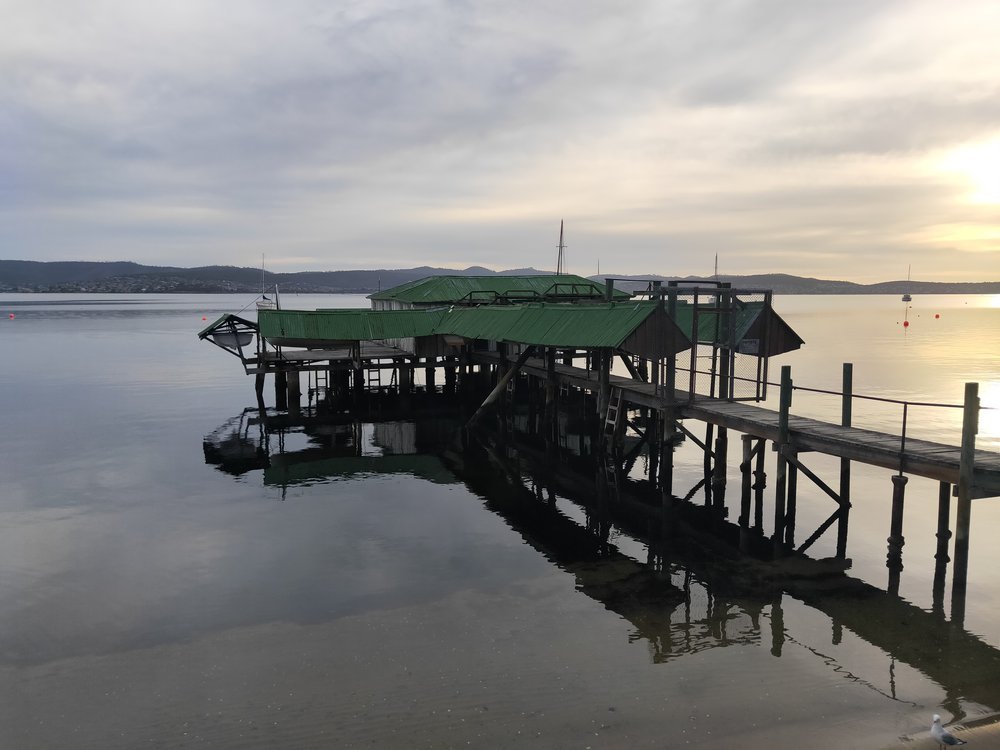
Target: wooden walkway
919 457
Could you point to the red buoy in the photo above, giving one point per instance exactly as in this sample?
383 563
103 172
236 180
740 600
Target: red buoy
937 315
11 316
906 324
203 317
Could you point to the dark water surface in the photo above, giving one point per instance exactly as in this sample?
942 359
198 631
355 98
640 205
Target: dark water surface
171 576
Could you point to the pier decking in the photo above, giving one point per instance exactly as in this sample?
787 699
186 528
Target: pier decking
922 458
539 328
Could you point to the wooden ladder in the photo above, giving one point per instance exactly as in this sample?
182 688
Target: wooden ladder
613 417
374 378
321 379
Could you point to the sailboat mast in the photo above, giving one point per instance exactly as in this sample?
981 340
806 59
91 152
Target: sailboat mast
562 247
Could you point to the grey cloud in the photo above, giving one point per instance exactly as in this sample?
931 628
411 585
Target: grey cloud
339 129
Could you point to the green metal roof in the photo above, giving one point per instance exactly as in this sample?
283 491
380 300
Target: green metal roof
584 326
448 289
543 324
356 324
579 325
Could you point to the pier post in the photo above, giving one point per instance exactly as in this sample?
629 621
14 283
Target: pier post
450 376
551 392
963 512
943 537
654 438
707 463
359 381
258 384
343 381
294 391
667 368
429 374
781 473
746 489
846 413
791 501
719 472
759 485
280 390
604 382
894 559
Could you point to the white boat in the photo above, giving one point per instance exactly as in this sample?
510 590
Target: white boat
232 340
906 295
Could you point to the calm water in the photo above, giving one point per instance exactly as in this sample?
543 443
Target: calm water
158 594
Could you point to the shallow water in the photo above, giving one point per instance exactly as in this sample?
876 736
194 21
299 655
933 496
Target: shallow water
309 596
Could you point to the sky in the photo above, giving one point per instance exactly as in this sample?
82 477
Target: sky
850 140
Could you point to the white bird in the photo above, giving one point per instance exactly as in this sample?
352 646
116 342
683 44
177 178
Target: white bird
942 735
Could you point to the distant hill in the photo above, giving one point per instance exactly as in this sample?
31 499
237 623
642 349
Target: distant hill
782 283
34 276
83 276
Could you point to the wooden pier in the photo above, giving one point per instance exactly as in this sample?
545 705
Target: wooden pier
526 332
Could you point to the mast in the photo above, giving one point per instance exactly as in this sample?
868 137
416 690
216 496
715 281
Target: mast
562 248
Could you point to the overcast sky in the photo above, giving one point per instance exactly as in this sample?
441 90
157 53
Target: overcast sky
846 139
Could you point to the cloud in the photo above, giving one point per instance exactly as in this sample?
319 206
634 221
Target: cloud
402 133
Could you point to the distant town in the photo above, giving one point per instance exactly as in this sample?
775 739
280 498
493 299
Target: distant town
133 278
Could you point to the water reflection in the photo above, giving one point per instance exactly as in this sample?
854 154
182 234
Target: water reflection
672 570
318 446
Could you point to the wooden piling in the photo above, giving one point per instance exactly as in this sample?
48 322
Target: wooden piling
259 390
551 394
280 390
781 472
746 489
791 500
941 558
719 470
603 382
894 558
759 485
294 391
846 415
963 517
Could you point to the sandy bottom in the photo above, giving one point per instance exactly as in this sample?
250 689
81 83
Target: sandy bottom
383 680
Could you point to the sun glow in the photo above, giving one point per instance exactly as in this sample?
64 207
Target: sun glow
979 164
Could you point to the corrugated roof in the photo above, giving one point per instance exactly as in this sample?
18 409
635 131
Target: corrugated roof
347 325
564 325
585 326
543 324
447 289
